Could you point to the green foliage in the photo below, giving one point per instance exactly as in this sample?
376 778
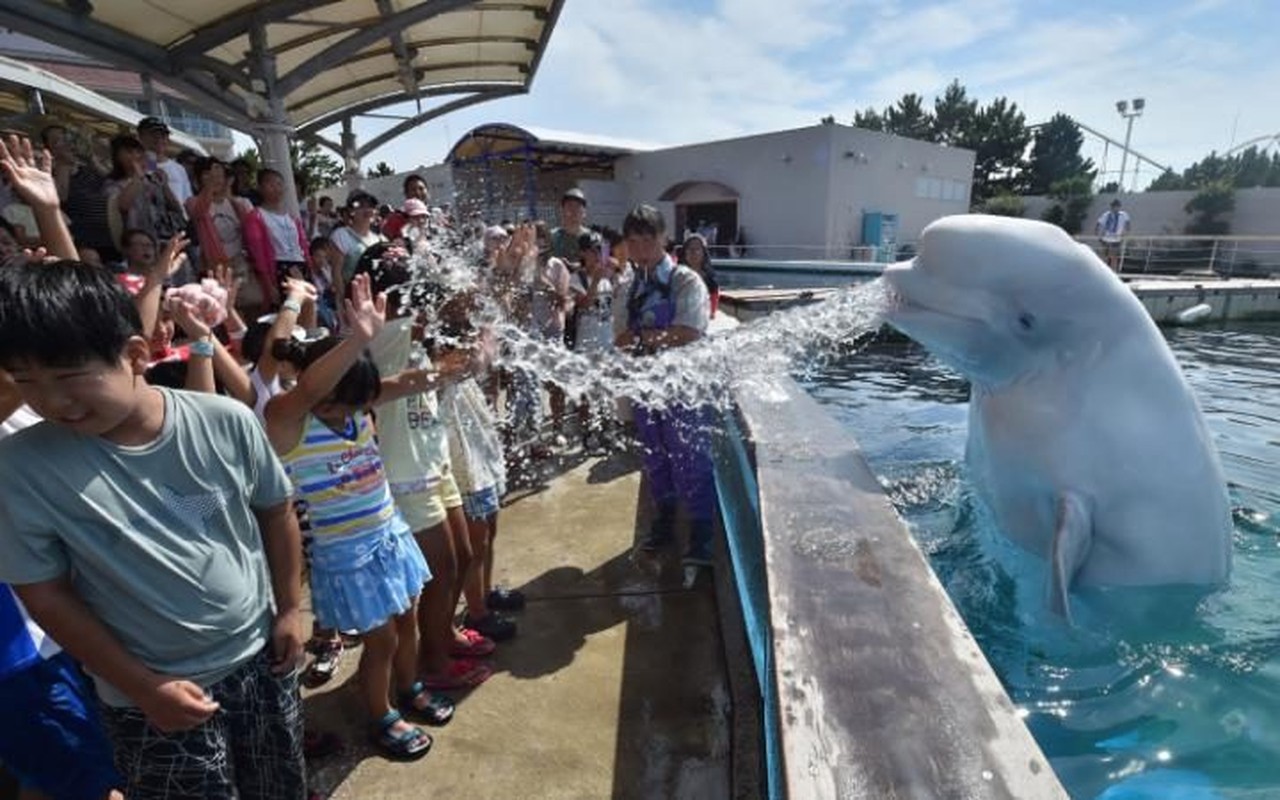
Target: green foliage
1055 155
953 115
1248 168
1073 196
909 119
1005 204
1167 182
1208 205
380 170
870 120
313 169
829 119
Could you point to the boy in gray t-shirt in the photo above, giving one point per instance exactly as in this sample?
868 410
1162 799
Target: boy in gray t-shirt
151 533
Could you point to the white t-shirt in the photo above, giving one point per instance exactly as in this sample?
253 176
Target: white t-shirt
284 235
548 313
226 221
475 450
263 391
178 179
1113 225
595 316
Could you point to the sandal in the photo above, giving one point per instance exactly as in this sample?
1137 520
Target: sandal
462 674
436 710
478 645
405 745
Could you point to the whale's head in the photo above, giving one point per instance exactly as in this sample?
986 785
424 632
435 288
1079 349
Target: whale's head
997 297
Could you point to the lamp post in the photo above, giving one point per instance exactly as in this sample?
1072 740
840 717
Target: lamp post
1128 112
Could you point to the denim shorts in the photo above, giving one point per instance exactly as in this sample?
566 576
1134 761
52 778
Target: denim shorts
482 504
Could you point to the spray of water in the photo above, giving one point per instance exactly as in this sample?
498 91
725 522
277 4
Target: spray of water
801 339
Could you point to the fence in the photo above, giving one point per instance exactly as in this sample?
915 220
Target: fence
1227 256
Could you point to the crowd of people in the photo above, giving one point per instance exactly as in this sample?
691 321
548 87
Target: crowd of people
206 397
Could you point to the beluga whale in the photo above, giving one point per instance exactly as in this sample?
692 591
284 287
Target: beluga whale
1084 439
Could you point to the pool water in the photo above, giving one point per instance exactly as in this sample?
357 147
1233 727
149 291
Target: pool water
1189 708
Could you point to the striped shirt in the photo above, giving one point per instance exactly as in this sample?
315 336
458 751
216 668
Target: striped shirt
341 479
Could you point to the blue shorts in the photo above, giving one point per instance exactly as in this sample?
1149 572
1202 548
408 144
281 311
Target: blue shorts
361 581
480 505
52 738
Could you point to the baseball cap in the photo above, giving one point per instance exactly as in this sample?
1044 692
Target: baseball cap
574 194
413 207
495 232
152 124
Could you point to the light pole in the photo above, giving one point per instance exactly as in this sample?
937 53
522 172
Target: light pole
1128 112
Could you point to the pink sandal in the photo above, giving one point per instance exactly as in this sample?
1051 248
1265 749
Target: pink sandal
462 674
478 645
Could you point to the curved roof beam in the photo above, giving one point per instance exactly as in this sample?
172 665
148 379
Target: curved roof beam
334 117
238 23
353 44
427 116
419 72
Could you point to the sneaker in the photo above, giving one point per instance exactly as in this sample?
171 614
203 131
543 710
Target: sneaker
505 599
322 669
493 625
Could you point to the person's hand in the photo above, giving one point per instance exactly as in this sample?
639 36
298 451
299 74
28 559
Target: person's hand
286 642
303 291
188 318
366 314
29 172
172 257
38 254
226 277
173 705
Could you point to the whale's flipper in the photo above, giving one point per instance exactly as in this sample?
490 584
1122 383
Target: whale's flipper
1072 539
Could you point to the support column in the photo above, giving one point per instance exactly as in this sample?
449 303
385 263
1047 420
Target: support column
275 130
530 181
35 102
149 105
350 157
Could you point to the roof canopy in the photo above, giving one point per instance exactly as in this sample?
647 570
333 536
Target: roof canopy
549 150
32 98
305 63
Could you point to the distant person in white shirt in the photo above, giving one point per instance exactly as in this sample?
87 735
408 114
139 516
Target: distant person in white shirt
154 135
1111 229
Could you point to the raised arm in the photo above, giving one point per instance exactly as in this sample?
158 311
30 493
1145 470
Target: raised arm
29 173
286 413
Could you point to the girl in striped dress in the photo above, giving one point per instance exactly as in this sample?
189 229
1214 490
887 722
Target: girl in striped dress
366 570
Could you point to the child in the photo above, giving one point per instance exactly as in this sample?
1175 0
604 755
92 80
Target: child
593 296
366 572
149 531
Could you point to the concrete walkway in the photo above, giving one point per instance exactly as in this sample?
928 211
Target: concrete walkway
615 686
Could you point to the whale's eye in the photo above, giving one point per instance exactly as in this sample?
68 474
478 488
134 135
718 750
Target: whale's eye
1026 321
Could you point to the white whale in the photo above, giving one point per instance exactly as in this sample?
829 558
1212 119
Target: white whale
1084 438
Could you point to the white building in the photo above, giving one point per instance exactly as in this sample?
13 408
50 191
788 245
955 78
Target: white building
794 194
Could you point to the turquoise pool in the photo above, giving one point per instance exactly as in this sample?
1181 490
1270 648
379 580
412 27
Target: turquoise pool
1190 712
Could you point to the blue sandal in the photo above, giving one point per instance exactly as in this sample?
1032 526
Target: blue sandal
406 745
437 711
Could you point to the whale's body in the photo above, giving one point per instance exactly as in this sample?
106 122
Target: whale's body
1084 438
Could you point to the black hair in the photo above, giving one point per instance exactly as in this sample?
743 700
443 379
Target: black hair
48 129
644 220
404 187
254 343
203 165
118 144
391 273
129 233
612 236
63 314
362 199
267 172
590 241
708 271
7 227
359 386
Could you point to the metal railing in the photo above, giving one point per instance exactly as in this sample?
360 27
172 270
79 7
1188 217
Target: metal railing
1226 256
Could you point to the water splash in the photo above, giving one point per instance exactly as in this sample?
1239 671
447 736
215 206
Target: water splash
804 339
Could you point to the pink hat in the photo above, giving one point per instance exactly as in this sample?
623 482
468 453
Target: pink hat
413 207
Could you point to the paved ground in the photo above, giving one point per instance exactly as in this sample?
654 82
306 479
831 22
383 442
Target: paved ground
615 687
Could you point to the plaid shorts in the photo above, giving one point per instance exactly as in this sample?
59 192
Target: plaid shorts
250 749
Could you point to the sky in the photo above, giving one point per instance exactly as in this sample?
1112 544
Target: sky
681 71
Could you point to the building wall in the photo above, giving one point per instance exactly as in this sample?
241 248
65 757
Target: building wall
1257 212
872 171
781 179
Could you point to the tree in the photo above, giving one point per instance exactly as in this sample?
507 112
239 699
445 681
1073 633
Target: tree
1055 156
1005 204
313 169
953 115
870 119
829 119
1212 201
999 137
1073 196
909 119
380 170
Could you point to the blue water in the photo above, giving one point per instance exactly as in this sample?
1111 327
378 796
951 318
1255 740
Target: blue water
1190 711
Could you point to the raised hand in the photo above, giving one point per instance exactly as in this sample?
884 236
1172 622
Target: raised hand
29 172
365 313
188 318
300 290
172 257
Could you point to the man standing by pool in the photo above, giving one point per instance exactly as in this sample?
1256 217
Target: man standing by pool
1111 228
667 306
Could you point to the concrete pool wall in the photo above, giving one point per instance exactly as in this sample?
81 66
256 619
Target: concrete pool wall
870 683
